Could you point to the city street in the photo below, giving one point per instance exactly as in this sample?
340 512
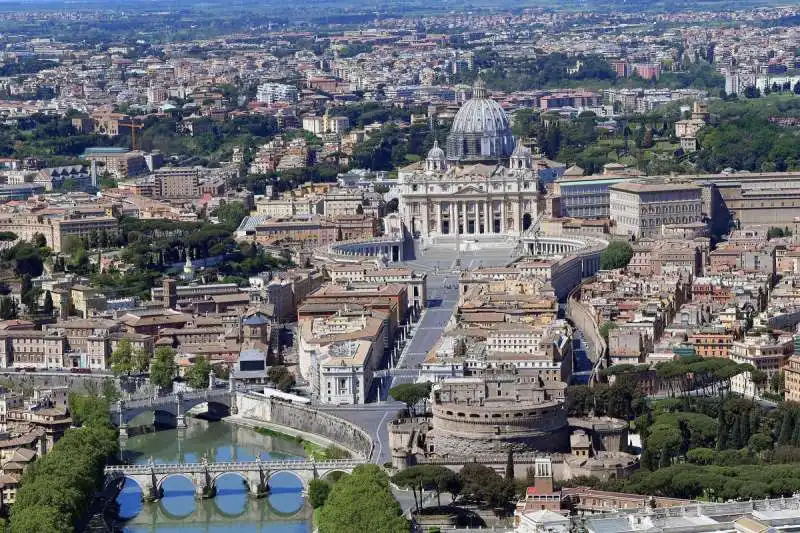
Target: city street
441 265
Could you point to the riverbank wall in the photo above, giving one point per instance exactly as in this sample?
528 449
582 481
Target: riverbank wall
307 420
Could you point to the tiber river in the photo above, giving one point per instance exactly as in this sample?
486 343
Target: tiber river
231 510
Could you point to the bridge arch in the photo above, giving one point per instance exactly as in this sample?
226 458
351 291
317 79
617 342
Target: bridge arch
125 479
163 478
303 481
334 474
241 475
133 480
218 408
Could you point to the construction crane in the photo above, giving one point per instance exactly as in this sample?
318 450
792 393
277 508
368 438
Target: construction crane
133 125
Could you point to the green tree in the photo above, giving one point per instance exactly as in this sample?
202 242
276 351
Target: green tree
197 375
606 328
701 456
122 358
162 369
47 308
760 443
776 233
481 483
222 371
428 477
362 501
8 308
647 141
616 255
410 394
30 295
231 214
140 360
787 426
510 467
411 478
759 378
281 378
39 240
318 491
777 382
57 489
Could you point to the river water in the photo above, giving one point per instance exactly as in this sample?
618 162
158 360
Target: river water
232 510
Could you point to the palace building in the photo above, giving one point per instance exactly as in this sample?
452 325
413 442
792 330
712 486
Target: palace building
485 185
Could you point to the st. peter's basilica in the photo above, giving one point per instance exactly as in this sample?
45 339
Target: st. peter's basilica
485 186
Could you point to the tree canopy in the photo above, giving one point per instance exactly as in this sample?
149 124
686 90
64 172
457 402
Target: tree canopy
410 393
198 374
616 255
56 490
163 367
362 501
482 484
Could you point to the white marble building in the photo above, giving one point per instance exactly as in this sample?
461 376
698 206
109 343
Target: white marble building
438 198
480 187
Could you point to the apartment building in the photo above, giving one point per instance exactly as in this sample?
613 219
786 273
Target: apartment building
765 352
270 93
177 182
792 378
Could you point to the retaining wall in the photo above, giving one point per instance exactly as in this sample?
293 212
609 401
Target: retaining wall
307 419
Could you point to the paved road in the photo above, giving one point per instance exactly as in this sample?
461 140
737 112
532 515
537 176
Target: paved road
441 265
373 418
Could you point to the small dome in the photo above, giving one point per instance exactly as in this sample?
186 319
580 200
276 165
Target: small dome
436 152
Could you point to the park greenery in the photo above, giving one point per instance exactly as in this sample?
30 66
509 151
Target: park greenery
616 255
156 247
437 478
474 484
716 447
590 71
742 135
318 492
361 501
541 71
57 489
777 233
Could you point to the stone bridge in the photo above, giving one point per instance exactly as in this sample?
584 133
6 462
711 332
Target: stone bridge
173 406
150 477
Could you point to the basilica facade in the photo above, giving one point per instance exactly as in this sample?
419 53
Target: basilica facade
485 184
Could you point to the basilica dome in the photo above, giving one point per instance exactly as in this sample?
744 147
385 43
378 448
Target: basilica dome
481 130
